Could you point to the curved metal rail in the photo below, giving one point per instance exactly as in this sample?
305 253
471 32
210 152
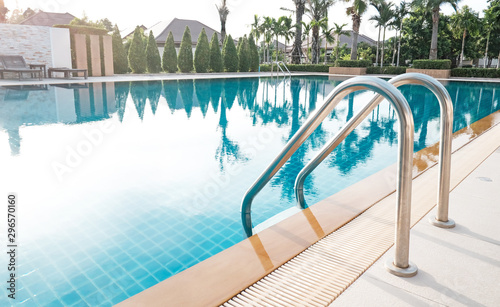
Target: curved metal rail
278 64
446 106
401 265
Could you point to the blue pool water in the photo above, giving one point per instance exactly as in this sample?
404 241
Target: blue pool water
122 185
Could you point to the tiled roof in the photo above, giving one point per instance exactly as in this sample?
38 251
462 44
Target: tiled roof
48 19
177 26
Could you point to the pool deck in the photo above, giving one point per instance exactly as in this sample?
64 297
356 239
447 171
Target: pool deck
183 76
458 266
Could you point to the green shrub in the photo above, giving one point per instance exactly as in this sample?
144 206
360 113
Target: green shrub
353 63
215 54
202 53
432 64
137 53
229 55
299 67
386 70
244 55
185 57
153 59
169 63
254 54
476 72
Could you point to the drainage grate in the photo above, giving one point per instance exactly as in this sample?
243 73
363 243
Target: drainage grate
318 275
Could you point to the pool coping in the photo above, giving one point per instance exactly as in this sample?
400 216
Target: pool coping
196 76
222 276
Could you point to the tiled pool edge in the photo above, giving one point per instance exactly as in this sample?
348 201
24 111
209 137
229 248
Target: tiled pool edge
218 278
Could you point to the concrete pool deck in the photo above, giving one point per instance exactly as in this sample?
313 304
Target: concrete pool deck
458 266
184 76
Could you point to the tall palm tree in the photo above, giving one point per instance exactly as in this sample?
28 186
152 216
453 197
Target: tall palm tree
306 32
286 29
433 6
465 20
223 12
266 31
300 6
376 4
401 13
339 30
256 30
329 37
357 9
317 10
384 18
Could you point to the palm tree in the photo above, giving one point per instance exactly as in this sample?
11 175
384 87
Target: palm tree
466 20
307 30
376 18
329 38
223 12
385 15
357 9
286 29
339 30
401 13
317 10
297 43
266 31
256 31
433 7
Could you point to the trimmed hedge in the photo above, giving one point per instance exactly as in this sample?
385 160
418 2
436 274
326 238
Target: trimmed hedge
202 53
185 56
432 64
389 70
169 61
74 29
120 61
215 54
353 63
229 55
476 72
153 59
137 53
299 67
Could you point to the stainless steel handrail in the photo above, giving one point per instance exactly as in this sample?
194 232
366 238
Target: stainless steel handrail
446 106
401 265
278 64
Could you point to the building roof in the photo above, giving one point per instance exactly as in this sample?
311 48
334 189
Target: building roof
344 39
126 33
177 26
48 19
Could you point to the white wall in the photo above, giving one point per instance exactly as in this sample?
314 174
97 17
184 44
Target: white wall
61 47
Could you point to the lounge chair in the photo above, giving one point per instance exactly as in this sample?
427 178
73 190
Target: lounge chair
16 64
68 72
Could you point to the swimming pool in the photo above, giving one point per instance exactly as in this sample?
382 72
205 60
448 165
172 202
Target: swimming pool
122 185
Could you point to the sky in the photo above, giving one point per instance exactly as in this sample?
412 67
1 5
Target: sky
127 14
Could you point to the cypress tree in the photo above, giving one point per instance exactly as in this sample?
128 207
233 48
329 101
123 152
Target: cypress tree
243 56
215 55
120 62
229 55
185 58
254 54
202 53
137 53
169 55
153 59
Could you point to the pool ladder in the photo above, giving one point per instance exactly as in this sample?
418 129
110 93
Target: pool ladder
279 64
401 265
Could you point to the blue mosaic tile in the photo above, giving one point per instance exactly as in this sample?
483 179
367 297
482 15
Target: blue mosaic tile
70 298
134 289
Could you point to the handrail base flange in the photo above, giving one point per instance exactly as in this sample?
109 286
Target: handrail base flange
448 224
410 271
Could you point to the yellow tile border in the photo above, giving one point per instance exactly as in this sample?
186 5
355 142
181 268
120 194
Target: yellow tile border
217 279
